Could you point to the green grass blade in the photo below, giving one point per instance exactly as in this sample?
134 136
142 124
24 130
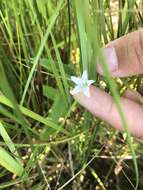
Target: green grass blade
10 163
9 142
31 114
43 42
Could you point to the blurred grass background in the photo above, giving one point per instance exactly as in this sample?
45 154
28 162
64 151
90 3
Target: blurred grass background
47 141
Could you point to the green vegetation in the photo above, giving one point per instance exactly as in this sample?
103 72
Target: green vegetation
48 141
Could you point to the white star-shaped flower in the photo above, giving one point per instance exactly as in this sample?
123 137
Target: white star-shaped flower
82 84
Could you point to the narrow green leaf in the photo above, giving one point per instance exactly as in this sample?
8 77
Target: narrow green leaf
9 142
43 42
32 114
10 163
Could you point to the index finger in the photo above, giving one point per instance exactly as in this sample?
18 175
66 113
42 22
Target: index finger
102 105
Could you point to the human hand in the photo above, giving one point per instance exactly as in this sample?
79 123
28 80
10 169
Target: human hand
125 58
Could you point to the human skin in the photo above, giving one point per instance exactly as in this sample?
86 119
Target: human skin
125 58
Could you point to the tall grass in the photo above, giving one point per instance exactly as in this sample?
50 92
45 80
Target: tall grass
47 140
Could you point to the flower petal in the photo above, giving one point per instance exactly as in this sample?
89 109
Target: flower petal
89 82
76 80
84 75
86 91
75 90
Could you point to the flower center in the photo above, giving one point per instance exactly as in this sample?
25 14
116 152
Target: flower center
84 84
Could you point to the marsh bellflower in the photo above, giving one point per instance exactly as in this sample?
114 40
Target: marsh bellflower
82 84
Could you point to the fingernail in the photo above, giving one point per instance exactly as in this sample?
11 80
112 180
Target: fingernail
111 58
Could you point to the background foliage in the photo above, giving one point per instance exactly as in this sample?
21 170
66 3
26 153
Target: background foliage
47 141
